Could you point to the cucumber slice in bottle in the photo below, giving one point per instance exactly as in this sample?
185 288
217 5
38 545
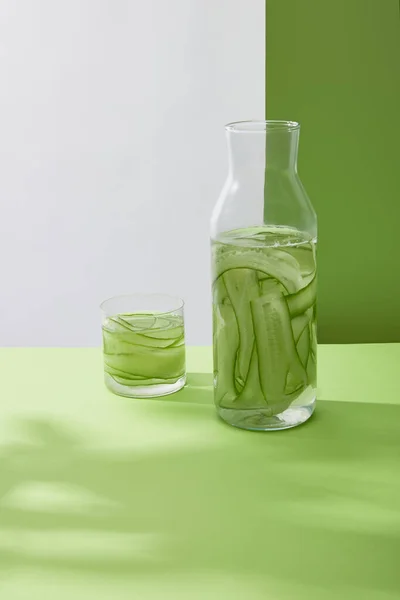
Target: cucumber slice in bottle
263 321
305 255
268 317
281 371
242 287
252 395
271 287
303 346
304 299
300 323
276 264
312 358
225 346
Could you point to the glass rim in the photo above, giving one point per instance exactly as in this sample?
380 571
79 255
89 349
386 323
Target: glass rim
180 302
260 126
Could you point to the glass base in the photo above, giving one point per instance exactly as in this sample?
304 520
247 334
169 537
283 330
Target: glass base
145 391
258 420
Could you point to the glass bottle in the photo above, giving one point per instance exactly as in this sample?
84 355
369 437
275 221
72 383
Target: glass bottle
264 236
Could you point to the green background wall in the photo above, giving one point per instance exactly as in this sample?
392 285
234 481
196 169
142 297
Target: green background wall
334 66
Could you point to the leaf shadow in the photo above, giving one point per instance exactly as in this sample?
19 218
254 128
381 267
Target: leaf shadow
287 507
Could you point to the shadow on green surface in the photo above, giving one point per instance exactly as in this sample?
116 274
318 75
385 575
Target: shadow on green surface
198 390
316 506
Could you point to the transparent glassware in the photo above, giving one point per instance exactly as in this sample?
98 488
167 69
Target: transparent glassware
263 237
143 345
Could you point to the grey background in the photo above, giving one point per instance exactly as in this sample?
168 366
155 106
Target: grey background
112 153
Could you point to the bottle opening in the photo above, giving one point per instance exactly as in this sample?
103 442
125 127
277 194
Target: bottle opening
261 126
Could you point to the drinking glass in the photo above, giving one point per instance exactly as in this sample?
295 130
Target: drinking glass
143 345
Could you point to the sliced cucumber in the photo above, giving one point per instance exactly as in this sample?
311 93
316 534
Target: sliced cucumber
303 346
312 358
142 382
271 287
150 362
242 287
225 346
164 334
312 369
178 342
305 256
263 318
136 322
121 343
302 300
123 374
140 349
300 323
273 363
274 263
281 371
252 395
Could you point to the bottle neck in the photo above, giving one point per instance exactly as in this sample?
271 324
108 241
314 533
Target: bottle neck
272 149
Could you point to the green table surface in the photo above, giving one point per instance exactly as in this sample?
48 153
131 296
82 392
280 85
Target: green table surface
103 497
